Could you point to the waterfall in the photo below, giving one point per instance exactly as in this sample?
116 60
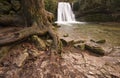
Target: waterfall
65 13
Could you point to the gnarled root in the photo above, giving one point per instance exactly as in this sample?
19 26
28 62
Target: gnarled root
29 31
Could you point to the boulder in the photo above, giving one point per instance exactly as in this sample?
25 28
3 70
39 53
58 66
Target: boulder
80 46
95 48
98 41
66 42
39 42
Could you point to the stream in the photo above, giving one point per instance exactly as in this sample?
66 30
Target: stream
90 31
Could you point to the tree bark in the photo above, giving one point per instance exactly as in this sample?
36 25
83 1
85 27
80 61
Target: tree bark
37 20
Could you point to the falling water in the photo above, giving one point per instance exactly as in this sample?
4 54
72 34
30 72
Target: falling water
65 13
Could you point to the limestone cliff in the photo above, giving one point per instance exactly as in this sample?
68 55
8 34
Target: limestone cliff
97 10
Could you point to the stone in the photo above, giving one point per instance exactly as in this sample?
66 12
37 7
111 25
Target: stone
39 42
49 42
95 48
101 41
98 41
66 42
79 41
81 46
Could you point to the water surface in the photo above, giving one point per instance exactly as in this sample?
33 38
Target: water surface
111 33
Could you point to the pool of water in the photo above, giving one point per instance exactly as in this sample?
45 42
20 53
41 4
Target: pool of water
111 33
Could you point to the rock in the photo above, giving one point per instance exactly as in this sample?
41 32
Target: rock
39 42
79 41
21 59
101 41
98 41
49 42
81 46
66 42
65 35
97 10
95 48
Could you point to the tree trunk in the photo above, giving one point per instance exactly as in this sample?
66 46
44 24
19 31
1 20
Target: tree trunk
37 20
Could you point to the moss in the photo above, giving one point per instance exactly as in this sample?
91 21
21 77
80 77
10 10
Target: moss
51 5
99 17
97 10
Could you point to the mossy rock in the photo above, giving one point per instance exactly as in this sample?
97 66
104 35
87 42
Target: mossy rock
98 41
95 49
80 46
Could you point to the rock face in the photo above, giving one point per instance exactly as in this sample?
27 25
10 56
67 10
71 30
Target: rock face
97 10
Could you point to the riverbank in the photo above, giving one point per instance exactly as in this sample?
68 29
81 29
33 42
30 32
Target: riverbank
24 60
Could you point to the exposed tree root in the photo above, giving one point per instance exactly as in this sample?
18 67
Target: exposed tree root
37 20
8 20
27 32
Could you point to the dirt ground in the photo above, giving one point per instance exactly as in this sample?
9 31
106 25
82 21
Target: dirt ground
26 61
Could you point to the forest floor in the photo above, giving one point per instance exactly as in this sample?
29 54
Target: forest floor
24 60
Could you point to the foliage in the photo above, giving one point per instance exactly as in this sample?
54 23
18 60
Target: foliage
99 17
51 6
98 10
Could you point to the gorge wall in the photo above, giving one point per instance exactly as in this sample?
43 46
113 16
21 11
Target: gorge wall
97 10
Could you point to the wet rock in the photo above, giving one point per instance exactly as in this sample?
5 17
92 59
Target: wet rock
101 41
95 48
98 41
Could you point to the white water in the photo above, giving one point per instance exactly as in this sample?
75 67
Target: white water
65 14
